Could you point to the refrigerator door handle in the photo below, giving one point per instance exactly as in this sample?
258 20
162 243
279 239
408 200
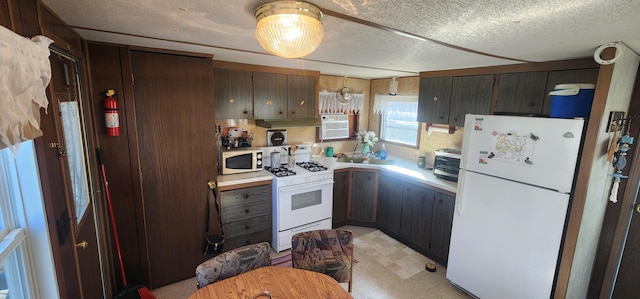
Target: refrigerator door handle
459 195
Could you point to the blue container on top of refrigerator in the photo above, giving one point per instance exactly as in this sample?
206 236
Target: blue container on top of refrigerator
572 100
515 182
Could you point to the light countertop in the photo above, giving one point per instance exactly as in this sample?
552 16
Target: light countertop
244 178
403 168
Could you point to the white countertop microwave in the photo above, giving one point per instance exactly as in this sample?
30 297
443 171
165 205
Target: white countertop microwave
241 160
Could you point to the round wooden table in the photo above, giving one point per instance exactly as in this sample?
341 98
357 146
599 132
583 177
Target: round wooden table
280 282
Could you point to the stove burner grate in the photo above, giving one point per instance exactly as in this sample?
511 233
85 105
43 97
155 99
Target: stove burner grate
312 166
280 171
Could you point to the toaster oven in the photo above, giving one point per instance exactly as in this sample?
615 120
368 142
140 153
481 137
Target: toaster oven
446 164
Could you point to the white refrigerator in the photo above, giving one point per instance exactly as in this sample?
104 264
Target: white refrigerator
513 192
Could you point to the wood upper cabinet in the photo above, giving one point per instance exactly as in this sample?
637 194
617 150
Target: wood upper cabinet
470 94
233 94
363 195
270 95
340 197
567 77
417 211
442 222
521 93
389 203
434 100
301 96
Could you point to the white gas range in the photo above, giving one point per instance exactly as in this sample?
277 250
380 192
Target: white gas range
302 195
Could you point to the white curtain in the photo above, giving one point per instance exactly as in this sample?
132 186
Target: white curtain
329 103
25 72
402 104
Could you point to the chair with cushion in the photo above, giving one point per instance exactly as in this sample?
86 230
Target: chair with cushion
328 251
233 262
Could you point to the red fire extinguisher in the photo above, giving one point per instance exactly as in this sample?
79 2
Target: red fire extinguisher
111 114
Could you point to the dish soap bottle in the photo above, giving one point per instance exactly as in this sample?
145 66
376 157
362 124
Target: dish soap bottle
383 152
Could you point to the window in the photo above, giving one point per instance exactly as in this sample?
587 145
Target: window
399 118
22 241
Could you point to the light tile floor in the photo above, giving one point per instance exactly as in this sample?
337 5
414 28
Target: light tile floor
371 279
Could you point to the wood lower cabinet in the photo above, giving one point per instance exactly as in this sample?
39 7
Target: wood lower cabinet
442 221
246 216
417 215
390 203
340 197
364 189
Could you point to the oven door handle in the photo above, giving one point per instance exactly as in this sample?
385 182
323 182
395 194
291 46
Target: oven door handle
303 186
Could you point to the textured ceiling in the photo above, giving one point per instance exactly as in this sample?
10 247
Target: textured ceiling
515 30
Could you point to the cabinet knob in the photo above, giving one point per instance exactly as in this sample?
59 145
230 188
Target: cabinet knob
246 211
435 99
246 195
280 112
246 227
293 112
244 112
531 104
231 100
269 103
301 102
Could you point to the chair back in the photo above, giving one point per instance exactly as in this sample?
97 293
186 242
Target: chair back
233 262
328 251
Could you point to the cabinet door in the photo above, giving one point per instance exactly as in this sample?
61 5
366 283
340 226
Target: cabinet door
389 203
567 77
417 211
442 221
363 192
270 96
301 96
521 93
233 94
470 94
340 197
434 100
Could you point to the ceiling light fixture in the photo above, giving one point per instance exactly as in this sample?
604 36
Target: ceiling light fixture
289 29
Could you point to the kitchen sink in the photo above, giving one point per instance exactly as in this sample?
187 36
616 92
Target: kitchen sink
380 161
350 159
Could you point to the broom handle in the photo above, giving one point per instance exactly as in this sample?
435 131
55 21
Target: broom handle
113 220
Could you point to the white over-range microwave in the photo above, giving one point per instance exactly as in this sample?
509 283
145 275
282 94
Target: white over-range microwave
241 160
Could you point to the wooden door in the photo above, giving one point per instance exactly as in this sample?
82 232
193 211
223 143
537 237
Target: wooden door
389 204
270 96
364 186
521 93
470 94
417 215
175 120
68 155
434 100
233 94
301 96
340 198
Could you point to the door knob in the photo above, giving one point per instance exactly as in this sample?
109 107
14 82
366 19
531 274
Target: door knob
82 245
638 208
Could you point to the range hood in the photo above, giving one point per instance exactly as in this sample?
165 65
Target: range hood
287 123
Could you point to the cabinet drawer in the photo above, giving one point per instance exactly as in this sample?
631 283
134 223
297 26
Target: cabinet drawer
247 226
242 240
245 203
